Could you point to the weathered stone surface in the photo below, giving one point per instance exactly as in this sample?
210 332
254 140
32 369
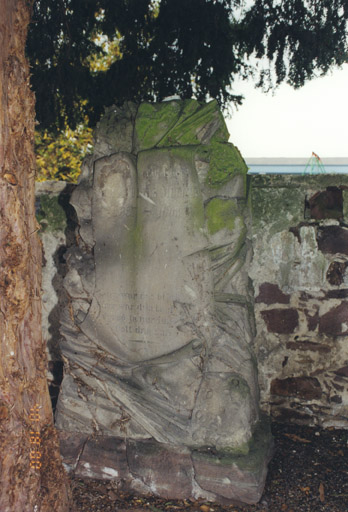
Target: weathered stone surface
299 244
281 321
335 321
178 123
294 262
158 330
271 294
115 130
307 388
345 202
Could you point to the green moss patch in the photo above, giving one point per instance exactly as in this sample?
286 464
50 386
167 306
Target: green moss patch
277 208
179 123
192 124
221 214
153 121
225 162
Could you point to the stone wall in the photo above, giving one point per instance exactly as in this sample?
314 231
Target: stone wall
300 277
300 281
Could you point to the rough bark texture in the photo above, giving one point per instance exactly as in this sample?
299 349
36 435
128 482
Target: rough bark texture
31 474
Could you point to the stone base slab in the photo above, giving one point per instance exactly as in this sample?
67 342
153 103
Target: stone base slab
167 471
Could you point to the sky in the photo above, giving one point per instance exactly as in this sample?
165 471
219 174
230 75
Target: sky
293 123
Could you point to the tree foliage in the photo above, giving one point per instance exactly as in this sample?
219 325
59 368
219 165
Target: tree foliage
193 48
298 38
59 156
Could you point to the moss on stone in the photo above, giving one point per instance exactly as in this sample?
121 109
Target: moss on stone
310 182
51 215
190 123
278 201
225 162
153 121
182 133
186 153
221 134
221 214
193 125
179 123
277 208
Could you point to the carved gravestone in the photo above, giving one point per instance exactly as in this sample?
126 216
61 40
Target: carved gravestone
160 388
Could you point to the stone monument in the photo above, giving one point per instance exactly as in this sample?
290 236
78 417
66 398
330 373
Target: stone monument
160 389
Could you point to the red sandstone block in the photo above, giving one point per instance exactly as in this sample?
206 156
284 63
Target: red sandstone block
281 321
335 321
307 388
271 294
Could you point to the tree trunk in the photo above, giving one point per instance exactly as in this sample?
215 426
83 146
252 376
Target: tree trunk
31 473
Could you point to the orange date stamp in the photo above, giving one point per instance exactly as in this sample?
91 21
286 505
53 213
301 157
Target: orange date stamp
35 439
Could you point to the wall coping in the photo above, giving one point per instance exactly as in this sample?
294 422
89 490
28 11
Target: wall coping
296 181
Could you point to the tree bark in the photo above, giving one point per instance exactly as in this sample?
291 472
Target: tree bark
31 473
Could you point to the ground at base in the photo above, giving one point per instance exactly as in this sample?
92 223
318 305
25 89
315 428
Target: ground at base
308 473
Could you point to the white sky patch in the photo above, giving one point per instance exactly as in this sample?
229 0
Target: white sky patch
293 123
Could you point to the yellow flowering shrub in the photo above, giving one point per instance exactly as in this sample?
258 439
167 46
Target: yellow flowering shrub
59 157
